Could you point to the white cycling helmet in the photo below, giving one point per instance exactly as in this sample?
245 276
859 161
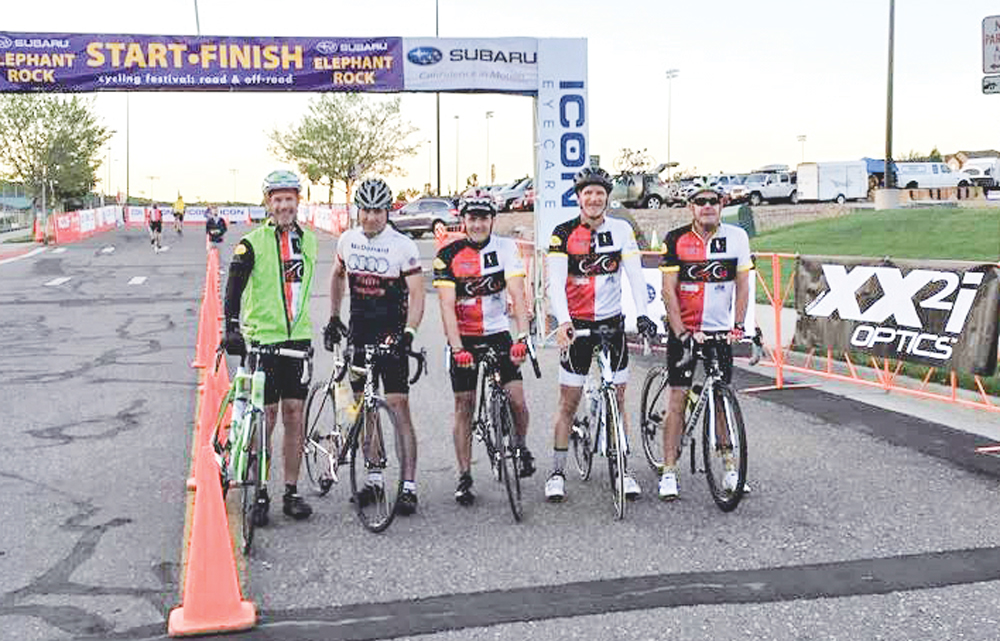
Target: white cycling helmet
373 193
280 179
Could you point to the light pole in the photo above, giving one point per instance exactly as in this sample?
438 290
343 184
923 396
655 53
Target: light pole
890 175
802 139
151 179
457 190
488 176
234 171
430 168
671 74
437 102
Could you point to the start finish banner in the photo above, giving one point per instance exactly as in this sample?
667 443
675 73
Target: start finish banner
104 62
939 313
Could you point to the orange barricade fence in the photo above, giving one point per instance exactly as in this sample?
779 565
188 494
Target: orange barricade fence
882 373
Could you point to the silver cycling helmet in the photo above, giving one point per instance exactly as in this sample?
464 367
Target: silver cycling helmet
699 188
281 179
373 193
478 207
588 176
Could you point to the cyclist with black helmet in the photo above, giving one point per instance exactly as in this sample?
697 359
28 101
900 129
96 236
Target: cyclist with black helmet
585 261
382 271
706 265
473 276
269 281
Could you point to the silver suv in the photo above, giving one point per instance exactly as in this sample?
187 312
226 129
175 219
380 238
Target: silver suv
644 190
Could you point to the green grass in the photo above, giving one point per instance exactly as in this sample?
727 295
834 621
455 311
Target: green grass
940 232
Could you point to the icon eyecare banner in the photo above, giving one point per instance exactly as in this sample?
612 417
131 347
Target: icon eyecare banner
50 62
938 313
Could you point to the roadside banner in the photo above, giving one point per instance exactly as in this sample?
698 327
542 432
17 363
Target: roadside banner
256 213
135 215
108 62
235 214
195 214
471 64
938 313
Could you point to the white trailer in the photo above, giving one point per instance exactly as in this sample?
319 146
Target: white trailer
839 181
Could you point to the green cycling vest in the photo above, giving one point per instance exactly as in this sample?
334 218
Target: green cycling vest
264 320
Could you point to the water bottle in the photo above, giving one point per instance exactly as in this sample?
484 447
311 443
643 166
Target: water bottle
242 386
257 388
343 395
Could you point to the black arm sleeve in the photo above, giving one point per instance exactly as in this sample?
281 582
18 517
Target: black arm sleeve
239 274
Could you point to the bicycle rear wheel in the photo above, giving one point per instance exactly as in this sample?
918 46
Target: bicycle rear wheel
724 448
503 427
254 461
580 441
376 466
653 409
322 443
616 451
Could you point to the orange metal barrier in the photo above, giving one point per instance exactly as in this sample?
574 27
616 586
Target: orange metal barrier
885 372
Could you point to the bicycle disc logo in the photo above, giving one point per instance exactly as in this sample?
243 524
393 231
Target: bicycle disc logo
370 264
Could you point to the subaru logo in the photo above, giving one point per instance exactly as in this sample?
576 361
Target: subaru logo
5 42
650 293
424 56
326 47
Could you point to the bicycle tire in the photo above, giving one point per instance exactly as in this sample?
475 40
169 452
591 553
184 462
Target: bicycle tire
252 482
484 427
653 409
582 445
375 436
689 404
503 427
715 468
615 436
322 442
223 451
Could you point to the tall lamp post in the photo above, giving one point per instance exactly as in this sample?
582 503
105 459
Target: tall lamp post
890 176
437 102
488 178
151 179
457 190
802 139
430 168
671 74
234 171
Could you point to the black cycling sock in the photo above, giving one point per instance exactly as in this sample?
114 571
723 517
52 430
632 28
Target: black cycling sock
291 488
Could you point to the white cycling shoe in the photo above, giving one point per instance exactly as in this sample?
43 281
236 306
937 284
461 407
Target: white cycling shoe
555 488
632 489
729 482
668 489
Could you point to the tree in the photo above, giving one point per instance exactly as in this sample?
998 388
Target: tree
52 140
345 136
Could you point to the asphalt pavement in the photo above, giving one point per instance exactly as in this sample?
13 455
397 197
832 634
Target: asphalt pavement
865 522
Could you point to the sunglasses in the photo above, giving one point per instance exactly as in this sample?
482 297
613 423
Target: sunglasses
701 202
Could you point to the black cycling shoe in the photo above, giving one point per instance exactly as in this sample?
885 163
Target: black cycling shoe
527 463
369 494
296 507
407 503
463 493
261 509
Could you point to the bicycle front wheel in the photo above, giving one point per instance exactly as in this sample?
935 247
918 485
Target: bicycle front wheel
376 465
253 481
321 446
655 400
580 441
616 451
503 426
724 448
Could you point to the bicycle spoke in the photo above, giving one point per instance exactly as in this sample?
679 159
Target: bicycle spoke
321 446
724 448
376 466
653 409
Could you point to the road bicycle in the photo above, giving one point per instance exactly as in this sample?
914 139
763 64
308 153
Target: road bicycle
599 428
242 450
493 422
713 402
364 433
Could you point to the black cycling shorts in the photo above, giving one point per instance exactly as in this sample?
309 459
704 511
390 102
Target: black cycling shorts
682 377
576 363
156 225
463 379
392 371
284 374
179 217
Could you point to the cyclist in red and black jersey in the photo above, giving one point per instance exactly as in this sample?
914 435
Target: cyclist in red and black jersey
473 277
705 268
587 256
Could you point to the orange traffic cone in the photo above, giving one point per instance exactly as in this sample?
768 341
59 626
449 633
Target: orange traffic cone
212 601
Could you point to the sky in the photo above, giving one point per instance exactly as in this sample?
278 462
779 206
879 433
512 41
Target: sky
753 77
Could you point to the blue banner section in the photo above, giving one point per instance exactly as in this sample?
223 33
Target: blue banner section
53 62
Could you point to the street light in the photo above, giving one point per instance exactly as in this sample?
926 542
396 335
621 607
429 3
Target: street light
488 177
671 74
802 139
151 179
430 167
456 155
234 171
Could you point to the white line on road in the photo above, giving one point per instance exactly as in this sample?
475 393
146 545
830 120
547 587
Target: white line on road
107 250
164 248
55 282
58 250
137 280
38 250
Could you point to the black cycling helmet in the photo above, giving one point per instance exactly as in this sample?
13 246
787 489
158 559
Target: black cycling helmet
373 193
588 176
478 207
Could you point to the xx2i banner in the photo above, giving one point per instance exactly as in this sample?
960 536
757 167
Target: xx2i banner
939 313
105 62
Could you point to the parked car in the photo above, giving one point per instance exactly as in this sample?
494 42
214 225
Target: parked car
527 201
732 185
772 186
984 172
644 190
505 196
927 175
425 215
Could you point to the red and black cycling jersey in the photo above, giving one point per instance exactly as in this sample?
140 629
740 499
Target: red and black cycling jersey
479 274
706 269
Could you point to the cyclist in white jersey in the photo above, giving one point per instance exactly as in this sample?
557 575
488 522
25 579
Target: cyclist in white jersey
382 270
705 266
586 257
473 276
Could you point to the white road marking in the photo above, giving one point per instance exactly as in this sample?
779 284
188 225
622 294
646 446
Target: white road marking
164 248
37 250
55 282
107 250
137 280
58 250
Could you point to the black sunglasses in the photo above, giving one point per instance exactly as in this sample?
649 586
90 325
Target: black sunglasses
701 202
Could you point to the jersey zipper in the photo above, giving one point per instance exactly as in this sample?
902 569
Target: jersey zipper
281 282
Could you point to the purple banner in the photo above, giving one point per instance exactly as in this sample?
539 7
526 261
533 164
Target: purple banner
99 62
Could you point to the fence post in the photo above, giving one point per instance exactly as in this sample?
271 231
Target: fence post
778 301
